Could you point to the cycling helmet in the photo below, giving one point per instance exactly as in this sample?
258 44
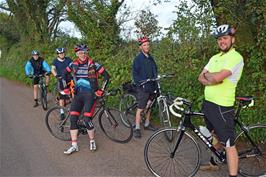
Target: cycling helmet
60 50
143 39
81 47
223 30
35 52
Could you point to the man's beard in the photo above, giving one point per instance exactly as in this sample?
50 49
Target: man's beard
227 49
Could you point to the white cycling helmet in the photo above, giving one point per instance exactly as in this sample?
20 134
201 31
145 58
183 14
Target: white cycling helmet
60 50
223 30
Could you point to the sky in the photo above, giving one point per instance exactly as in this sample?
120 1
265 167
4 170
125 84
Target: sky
163 11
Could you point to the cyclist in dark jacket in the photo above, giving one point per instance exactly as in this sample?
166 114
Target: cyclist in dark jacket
144 67
34 67
58 68
85 74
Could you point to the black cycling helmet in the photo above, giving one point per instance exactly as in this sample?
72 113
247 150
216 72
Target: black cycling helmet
35 52
81 47
60 50
224 30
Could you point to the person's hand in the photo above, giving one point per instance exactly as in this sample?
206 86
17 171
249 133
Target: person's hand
47 73
66 91
99 93
58 77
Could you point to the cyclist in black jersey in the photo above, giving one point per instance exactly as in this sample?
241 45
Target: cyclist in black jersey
85 73
58 67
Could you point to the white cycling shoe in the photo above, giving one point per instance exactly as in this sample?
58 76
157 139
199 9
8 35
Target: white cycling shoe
92 145
71 150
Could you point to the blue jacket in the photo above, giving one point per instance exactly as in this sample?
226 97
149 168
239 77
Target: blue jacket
144 68
36 67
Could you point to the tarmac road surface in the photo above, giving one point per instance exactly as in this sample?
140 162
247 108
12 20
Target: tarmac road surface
28 149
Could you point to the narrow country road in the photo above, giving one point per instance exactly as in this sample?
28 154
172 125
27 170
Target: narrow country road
28 149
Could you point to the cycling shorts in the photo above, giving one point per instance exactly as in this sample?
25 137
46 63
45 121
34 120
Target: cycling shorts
143 97
220 119
85 102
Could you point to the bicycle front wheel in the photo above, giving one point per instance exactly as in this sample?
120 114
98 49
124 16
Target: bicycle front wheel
113 127
128 106
252 158
57 127
43 96
158 150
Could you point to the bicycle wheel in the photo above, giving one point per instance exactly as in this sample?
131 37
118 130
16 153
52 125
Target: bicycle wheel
113 126
157 154
59 129
252 160
165 118
128 105
43 97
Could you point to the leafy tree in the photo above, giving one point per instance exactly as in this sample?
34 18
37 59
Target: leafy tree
96 19
148 24
36 20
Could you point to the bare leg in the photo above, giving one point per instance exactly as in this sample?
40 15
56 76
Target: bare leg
138 118
74 136
35 92
232 160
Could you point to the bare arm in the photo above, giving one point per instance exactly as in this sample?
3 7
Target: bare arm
207 78
54 70
202 78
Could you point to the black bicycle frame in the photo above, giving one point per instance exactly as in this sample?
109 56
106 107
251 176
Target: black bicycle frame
186 123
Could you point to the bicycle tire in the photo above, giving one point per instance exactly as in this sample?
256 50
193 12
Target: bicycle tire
185 162
165 118
44 98
113 127
251 163
59 129
128 105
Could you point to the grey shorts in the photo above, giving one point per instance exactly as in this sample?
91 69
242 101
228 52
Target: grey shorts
143 97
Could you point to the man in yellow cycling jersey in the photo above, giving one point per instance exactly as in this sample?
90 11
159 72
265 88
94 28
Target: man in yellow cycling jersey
220 77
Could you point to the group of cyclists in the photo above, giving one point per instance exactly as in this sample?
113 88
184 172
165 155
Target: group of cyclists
220 77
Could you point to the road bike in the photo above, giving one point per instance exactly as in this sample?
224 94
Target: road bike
109 120
128 102
181 156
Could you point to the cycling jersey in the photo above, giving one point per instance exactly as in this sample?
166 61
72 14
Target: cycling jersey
86 75
36 67
61 65
223 94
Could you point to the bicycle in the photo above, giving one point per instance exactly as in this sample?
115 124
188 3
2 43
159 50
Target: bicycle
67 98
109 121
181 157
42 90
128 103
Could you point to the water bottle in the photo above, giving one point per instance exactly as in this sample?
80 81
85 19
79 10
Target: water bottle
206 133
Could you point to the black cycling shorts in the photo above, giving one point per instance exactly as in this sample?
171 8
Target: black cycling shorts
220 119
143 97
83 101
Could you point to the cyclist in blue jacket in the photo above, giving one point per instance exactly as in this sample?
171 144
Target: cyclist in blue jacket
34 67
144 67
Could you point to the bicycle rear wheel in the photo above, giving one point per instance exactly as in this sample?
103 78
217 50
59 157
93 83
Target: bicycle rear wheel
43 97
59 129
252 160
157 154
128 106
113 127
